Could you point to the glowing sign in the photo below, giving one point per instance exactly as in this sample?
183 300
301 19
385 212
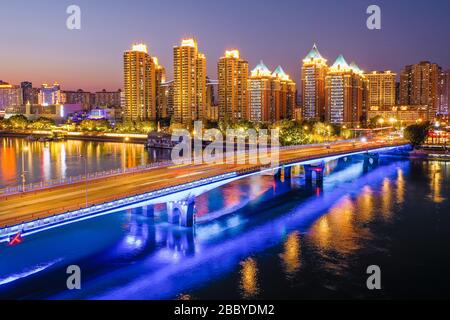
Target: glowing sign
15 239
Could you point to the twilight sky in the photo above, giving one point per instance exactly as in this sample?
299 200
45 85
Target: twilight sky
37 46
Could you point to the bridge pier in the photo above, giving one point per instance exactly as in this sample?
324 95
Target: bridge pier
286 172
319 169
181 212
148 211
371 160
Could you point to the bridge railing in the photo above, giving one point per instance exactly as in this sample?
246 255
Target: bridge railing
79 179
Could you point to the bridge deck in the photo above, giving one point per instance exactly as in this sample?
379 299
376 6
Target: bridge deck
27 207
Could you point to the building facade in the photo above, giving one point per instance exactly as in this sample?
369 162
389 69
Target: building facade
10 95
344 92
139 84
419 85
381 89
403 114
272 96
50 95
160 78
109 99
189 82
233 87
444 92
314 71
83 98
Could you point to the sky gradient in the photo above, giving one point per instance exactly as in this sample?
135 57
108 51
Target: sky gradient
37 46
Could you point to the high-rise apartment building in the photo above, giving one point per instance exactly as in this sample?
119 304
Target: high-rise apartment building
160 78
419 86
166 110
233 88
381 89
285 95
314 71
10 95
444 92
189 82
344 92
271 95
139 84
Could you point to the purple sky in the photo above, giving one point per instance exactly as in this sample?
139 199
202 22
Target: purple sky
37 46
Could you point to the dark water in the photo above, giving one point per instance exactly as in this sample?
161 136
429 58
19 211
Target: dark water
54 160
273 240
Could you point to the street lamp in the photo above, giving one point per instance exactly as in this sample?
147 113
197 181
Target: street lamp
25 149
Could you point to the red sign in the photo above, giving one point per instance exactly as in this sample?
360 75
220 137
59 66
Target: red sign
15 239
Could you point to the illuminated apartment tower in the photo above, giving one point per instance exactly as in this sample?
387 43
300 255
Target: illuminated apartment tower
419 85
189 82
344 90
381 90
272 95
444 92
314 71
283 95
233 94
160 78
139 84
259 86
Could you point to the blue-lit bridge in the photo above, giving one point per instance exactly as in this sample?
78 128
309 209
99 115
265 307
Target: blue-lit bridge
176 186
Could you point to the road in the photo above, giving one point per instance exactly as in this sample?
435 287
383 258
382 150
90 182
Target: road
29 206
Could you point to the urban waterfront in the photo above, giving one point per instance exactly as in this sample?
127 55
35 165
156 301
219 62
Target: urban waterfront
257 238
55 160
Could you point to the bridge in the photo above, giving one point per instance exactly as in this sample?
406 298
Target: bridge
177 186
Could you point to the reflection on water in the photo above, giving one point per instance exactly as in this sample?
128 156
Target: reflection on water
269 239
291 255
52 160
249 279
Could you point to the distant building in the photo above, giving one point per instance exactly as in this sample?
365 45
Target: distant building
50 94
344 91
381 90
102 114
272 96
166 107
160 78
444 92
403 114
213 113
58 112
189 96
419 86
233 87
10 95
314 71
107 98
29 94
81 97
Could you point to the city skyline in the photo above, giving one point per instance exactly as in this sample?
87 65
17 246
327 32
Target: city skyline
82 60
